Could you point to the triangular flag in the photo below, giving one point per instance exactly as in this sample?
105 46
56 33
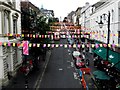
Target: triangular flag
0 43
39 36
38 45
74 46
9 44
44 45
100 45
65 45
33 36
30 45
109 45
57 45
5 43
83 46
22 35
13 44
93 45
34 44
61 45
48 45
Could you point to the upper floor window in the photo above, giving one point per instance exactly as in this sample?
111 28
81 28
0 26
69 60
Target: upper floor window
112 15
6 22
15 26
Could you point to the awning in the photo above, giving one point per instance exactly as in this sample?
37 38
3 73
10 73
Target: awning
113 57
101 75
101 52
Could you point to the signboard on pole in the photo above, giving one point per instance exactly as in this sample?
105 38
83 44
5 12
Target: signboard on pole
25 48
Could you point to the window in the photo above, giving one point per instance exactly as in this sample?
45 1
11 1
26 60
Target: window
6 22
14 26
112 15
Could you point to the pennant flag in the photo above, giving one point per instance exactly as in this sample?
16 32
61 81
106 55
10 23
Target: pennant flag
116 34
93 45
39 36
113 45
65 45
38 45
36 35
109 45
96 45
33 36
74 46
10 34
5 43
9 44
61 45
25 48
48 45
22 35
28 35
70 46
13 44
116 45
83 46
34 44
45 36
105 45
52 45
18 44
100 45
44 45
57 45
78 45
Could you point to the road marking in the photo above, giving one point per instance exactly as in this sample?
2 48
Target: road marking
60 69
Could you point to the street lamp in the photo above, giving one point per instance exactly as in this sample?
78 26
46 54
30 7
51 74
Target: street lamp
101 25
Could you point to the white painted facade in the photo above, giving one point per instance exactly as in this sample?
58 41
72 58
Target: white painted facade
85 17
90 14
10 22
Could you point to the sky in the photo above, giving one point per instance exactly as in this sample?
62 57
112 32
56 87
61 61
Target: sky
61 7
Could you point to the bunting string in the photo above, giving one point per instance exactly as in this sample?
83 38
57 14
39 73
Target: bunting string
20 44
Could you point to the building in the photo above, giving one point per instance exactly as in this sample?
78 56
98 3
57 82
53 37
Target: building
78 14
100 8
47 13
69 16
85 17
29 17
10 22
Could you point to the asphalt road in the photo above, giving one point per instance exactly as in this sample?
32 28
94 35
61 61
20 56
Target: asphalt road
60 71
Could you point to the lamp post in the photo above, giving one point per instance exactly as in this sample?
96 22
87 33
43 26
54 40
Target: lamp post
108 26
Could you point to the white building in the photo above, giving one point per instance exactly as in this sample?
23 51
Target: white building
100 8
85 17
91 13
10 22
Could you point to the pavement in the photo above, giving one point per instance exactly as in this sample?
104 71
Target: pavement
19 80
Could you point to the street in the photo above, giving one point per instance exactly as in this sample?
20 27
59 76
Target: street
60 71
